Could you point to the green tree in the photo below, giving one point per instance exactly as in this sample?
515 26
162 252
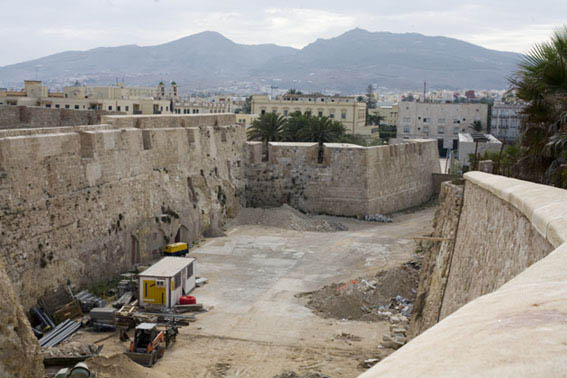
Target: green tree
292 130
541 81
247 108
374 119
322 130
267 128
476 126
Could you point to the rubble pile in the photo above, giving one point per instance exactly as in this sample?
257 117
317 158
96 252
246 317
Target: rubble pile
286 217
72 349
389 293
377 218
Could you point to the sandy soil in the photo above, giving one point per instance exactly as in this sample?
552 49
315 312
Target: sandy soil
259 326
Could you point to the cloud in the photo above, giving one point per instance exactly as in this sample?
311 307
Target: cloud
34 28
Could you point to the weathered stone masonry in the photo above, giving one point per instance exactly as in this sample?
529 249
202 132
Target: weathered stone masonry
84 203
351 181
29 116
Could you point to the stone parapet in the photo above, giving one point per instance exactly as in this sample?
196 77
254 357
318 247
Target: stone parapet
517 328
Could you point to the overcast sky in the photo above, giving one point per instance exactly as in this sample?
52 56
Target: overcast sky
34 28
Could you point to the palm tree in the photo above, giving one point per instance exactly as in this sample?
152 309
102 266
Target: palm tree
293 126
267 128
322 130
541 81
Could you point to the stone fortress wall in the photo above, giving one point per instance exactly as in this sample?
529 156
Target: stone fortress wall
84 203
351 180
29 116
496 282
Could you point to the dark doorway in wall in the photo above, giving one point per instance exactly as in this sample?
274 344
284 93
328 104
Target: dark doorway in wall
182 234
135 251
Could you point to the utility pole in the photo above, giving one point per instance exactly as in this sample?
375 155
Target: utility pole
424 90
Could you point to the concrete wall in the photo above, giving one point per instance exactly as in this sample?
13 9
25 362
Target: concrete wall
509 265
84 203
351 181
12 117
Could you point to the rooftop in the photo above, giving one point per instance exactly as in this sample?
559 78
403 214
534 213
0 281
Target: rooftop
167 267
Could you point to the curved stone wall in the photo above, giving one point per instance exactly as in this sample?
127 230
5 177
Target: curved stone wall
518 330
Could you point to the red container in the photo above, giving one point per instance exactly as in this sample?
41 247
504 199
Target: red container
187 299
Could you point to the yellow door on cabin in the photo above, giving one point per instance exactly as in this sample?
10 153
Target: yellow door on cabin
154 291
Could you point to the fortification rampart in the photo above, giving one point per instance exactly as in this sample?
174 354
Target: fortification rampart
351 180
29 116
500 293
83 203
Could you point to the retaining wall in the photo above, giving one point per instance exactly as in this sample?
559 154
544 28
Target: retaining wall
86 202
351 180
504 312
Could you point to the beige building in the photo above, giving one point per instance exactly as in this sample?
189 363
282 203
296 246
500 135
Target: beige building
111 98
246 119
441 121
347 110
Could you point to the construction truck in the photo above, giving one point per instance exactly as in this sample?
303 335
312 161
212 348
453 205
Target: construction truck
150 343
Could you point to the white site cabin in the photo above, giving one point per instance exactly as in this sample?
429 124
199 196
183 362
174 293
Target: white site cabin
166 281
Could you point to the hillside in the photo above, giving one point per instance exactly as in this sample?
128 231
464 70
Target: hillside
345 63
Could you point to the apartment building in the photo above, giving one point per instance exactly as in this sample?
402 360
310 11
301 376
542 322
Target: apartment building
506 121
113 98
441 121
347 110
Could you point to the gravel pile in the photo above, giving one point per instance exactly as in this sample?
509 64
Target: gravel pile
285 217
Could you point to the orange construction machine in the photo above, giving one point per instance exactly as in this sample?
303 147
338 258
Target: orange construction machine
150 343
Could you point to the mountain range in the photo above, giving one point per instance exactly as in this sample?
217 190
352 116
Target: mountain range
347 63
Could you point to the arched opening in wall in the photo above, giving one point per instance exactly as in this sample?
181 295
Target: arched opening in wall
156 241
182 234
134 251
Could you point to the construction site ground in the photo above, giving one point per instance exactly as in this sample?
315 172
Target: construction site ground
259 324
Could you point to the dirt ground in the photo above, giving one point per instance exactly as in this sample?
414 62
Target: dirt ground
260 325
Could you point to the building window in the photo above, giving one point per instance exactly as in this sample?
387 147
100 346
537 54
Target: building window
407 119
332 115
343 115
426 129
77 107
425 120
48 105
455 121
66 106
406 129
455 130
127 108
441 121
118 107
110 108
57 106
262 112
441 130
320 114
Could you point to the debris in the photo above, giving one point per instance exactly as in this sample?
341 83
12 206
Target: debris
124 299
369 363
69 311
348 336
70 353
367 298
286 217
88 301
59 333
200 281
79 370
197 307
292 374
377 218
103 315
